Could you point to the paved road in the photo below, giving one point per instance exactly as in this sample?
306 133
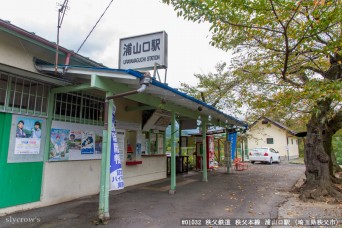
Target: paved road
253 193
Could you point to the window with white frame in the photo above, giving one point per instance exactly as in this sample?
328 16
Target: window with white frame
80 107
23 96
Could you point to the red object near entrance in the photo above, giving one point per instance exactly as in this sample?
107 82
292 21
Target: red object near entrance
239 165
210 153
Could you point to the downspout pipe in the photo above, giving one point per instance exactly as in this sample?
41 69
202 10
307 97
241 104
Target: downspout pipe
67 61
144 83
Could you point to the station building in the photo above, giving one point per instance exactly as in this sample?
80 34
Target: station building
52 120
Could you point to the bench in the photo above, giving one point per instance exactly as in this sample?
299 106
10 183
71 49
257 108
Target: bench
239 165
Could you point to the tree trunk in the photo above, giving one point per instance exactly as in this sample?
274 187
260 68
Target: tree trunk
331 128
318 180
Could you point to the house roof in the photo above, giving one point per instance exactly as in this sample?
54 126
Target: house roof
33 39
277 124
33 75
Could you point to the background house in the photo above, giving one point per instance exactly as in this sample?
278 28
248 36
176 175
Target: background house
268 133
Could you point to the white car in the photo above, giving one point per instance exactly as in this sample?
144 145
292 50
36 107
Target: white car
264 154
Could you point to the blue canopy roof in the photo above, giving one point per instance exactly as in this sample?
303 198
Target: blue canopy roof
156 88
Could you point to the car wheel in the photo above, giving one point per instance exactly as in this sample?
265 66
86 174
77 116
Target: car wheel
252 162
271 161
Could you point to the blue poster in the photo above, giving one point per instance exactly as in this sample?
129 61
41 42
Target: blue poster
88 142
116 174
232 139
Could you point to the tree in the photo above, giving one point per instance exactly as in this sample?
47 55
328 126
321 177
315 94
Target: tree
219 89
287 58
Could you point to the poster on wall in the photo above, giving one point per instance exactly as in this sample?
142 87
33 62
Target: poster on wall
75 139
88 142
98 144
160 143
211 151
28 135
143 144
59 148
121 138
75 142
138 146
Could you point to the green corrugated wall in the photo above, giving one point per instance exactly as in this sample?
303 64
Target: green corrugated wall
20 183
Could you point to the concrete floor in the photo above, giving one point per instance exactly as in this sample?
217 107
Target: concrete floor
254 193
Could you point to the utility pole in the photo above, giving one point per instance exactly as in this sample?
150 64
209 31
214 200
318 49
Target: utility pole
61 13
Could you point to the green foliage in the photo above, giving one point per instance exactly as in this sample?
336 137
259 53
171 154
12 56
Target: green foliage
220 89
301 147
287 55
337 146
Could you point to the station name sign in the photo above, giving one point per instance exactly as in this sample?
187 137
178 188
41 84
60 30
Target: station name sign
144 51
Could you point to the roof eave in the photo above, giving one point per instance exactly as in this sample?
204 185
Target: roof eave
34 76
207 110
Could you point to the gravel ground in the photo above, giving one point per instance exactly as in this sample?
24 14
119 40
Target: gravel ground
311 212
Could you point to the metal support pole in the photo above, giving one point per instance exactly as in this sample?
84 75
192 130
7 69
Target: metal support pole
105 163
173 154
180 138
227 149
109 137
242 151
102 177
204 156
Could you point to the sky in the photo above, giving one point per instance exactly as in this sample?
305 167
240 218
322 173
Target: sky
189 51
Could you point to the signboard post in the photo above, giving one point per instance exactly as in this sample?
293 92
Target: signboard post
232 137
116 175
143 52
111 170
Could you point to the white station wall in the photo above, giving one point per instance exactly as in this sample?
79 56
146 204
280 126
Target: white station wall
67 180
63 181
152 168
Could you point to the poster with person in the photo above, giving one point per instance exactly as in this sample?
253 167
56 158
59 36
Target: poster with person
88 142
59 149
75 139
28 135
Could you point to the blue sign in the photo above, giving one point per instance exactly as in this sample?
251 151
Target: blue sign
116 174
232 139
